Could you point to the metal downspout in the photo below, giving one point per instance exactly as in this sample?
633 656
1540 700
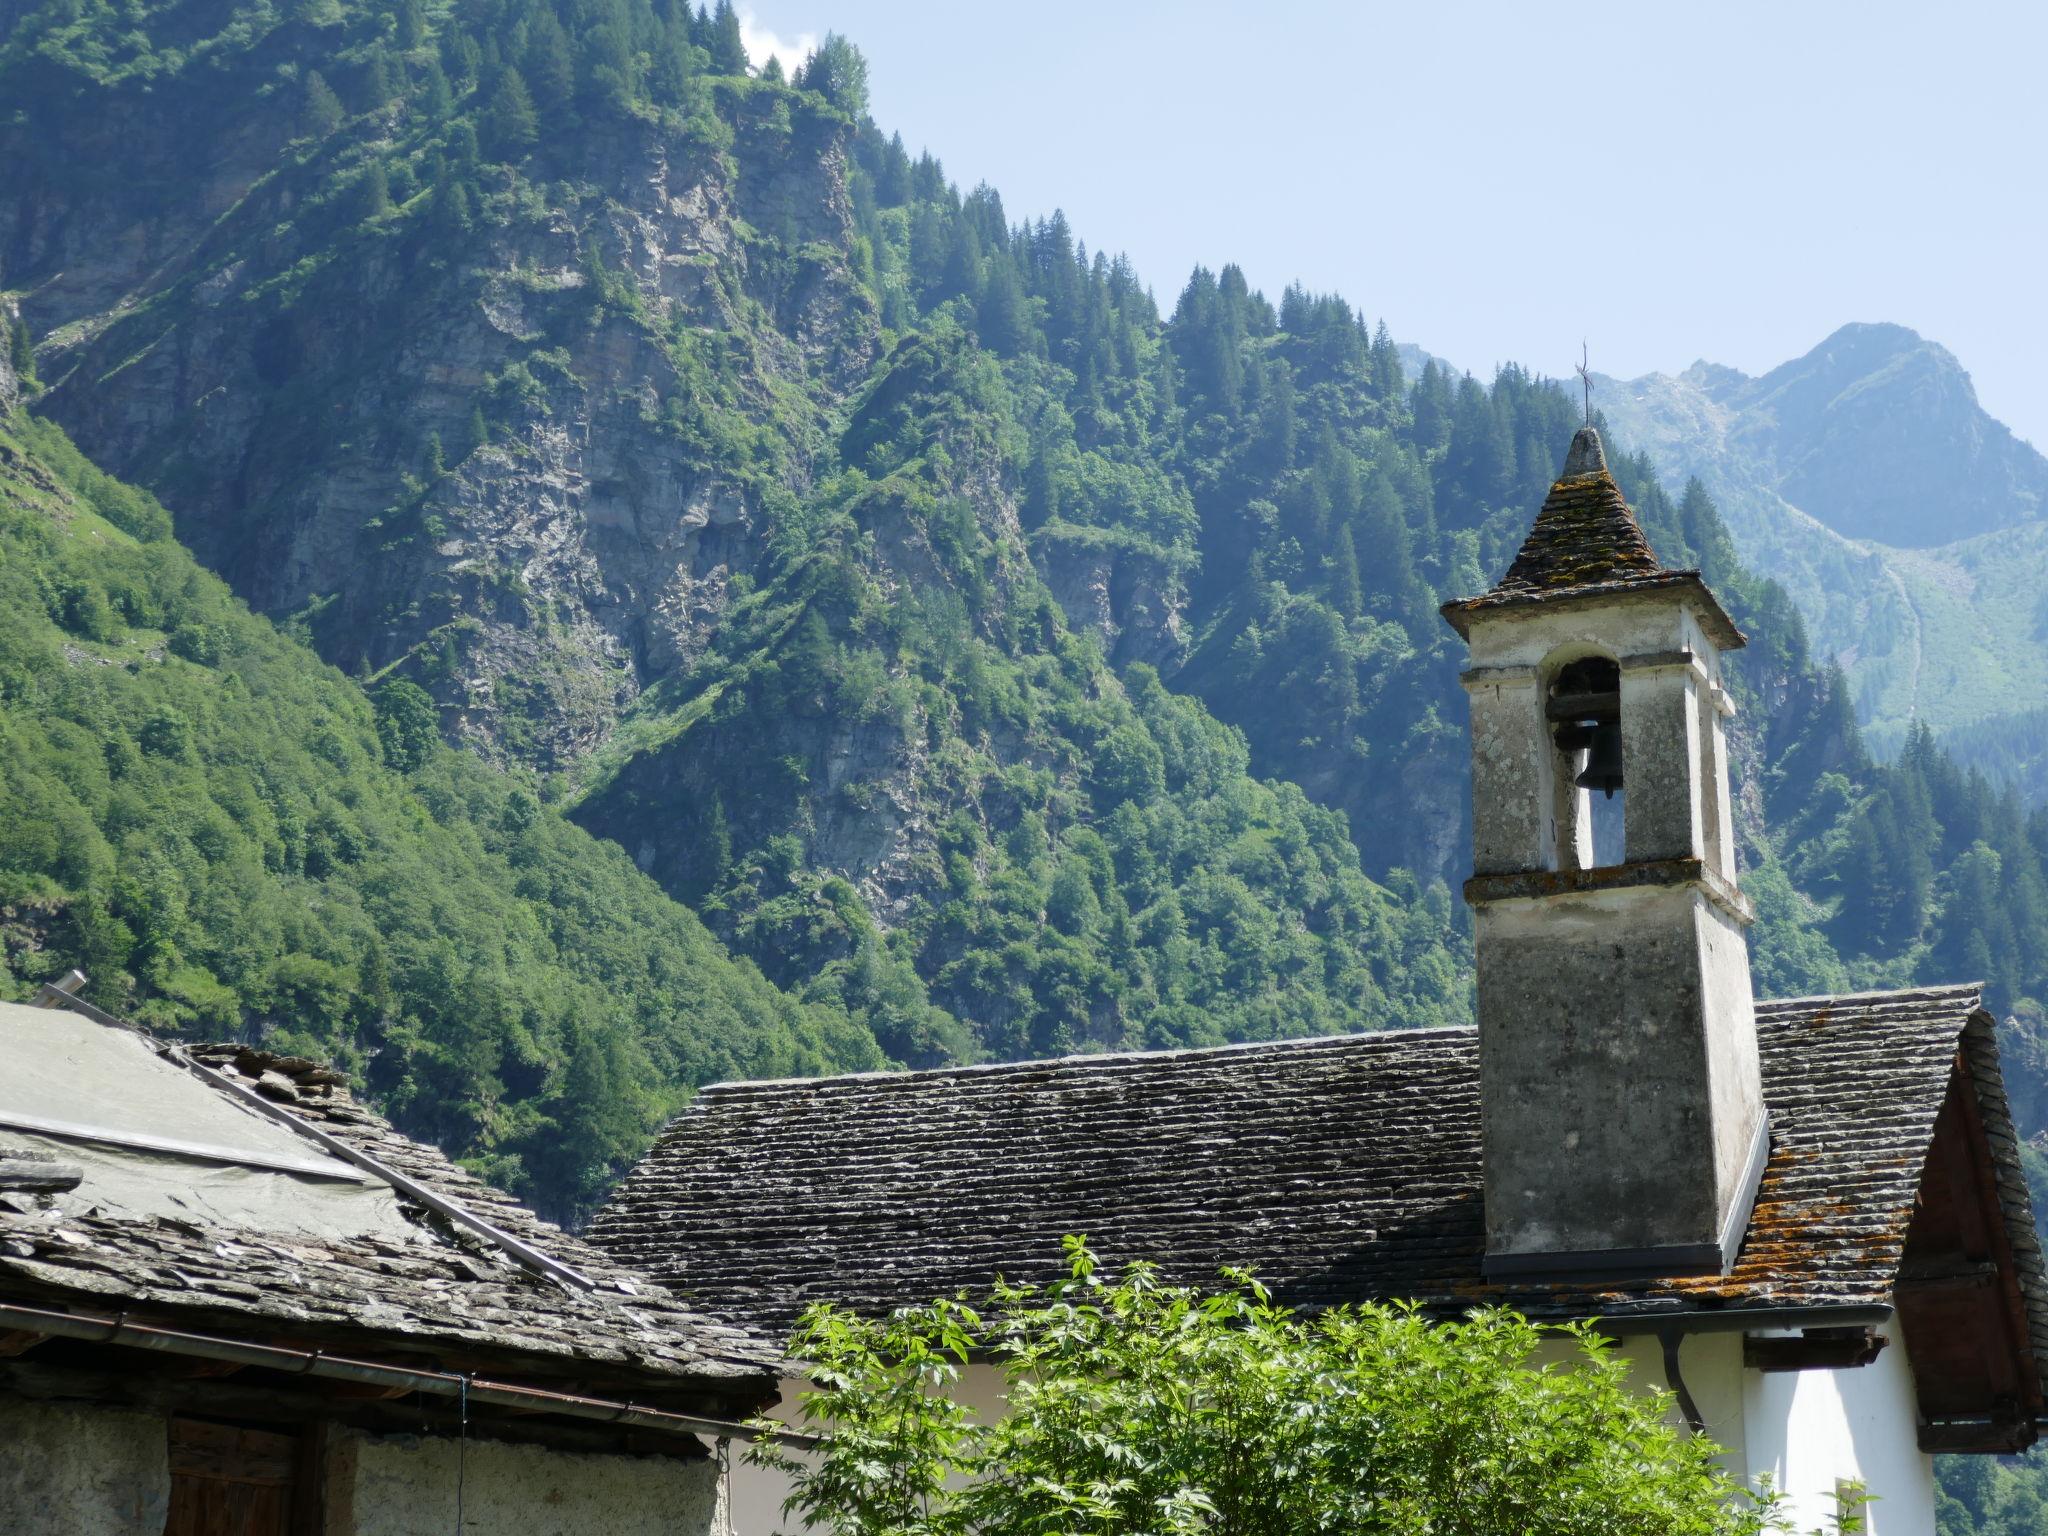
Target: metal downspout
1671 1339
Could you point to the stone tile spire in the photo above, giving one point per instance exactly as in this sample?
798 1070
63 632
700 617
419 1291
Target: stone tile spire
1587 543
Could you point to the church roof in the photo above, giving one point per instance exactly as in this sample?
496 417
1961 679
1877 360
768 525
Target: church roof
1340 1170
1586 543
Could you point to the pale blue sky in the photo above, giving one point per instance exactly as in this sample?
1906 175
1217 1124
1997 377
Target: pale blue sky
1728 181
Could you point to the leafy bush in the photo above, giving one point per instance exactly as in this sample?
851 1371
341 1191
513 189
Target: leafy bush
1138 1407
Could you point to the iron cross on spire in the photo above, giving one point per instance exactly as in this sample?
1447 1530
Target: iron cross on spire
1585 378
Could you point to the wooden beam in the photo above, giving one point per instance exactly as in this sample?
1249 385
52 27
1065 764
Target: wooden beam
1815 1349
16 1342
2003 1435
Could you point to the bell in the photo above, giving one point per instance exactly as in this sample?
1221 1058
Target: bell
1603 759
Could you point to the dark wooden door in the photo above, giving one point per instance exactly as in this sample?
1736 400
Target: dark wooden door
229 1481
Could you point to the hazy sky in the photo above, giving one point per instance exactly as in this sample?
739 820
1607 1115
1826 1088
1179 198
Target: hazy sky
1670 181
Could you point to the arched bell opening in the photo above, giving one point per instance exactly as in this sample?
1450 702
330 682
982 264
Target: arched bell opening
1582 707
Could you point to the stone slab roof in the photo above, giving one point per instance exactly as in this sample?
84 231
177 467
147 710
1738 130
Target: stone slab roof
1586 543
1339 1169
433 1289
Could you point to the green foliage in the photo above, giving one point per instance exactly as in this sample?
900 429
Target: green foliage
216 830
510 124
408 724
1135 1406
837 72
320 113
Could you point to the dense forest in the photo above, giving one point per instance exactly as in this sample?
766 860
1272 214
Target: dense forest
728 602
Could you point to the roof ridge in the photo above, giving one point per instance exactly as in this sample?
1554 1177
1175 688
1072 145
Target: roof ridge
734 1086
1904 994
1090 1059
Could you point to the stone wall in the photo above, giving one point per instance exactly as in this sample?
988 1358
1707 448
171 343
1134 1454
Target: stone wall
406 1485
71 1469
78 1470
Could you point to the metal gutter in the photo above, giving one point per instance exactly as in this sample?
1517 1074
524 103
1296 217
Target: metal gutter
299 1362
61 996
1740 1319
1674 1378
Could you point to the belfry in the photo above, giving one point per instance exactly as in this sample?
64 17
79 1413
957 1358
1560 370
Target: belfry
1623 1124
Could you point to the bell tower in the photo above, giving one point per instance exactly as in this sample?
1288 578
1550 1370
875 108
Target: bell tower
1621 1110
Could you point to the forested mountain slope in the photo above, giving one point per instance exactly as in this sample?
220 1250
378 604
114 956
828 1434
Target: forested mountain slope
884 575
230 836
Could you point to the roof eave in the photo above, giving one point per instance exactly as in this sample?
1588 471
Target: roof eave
1460 612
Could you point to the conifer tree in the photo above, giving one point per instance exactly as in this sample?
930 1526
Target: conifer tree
839 73
21 350
436 97
672 71
1385 531
377 81
320 113
411 24
1345 594
1003 317
548 69
373 192
722 41
510 121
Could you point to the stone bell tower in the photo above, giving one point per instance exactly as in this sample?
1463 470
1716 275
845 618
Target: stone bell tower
1621 1111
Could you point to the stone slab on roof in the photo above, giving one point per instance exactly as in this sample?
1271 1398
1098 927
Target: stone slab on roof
1339 1169
436 1289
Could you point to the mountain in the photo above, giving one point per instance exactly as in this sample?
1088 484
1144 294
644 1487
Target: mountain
974 660
1909 526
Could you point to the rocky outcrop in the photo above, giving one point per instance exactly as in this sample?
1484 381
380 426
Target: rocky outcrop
1130 597
517 476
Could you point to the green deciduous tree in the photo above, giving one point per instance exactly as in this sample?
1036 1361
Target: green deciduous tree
1139 1407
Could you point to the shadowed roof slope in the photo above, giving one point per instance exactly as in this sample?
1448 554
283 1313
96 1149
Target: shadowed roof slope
1340 1169
1586 542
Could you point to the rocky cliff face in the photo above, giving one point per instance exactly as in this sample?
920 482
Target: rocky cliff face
484 463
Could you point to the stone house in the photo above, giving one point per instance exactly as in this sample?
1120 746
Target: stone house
1806 1217
233 1302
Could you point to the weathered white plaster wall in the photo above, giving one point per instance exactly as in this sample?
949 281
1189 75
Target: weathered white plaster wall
1807 1429
405 1485
69 1470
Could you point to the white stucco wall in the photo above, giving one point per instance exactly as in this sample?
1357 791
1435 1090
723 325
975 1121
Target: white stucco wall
405 1485
68 1470
1807 1431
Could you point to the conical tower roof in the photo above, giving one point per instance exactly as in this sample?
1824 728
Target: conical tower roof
1586 543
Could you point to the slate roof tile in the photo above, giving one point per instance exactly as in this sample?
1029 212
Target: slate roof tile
446 1292
1586 543
1339 1169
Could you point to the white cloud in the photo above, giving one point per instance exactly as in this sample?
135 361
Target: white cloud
762 45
